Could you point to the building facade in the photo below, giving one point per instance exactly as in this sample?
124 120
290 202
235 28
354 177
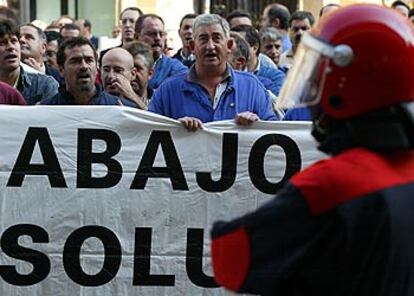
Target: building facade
104 14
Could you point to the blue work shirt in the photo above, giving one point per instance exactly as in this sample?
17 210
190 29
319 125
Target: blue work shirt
182 96
286 43
298 114
165 67
36 87
276 76
100 98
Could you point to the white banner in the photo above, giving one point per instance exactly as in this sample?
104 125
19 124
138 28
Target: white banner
116 201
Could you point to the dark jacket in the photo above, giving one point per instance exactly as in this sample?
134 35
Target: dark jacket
344 226
52 71
186 62
100 98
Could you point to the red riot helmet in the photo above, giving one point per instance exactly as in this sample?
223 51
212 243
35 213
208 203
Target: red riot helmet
355 60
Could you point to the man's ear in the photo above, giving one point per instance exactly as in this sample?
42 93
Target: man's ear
230 43
134 73
276 23
242 62
150 73
192 45
255 48
43 48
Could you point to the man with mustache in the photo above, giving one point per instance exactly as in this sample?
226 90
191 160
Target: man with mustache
149 28
34 87
212 90
185 54
299 23
77 60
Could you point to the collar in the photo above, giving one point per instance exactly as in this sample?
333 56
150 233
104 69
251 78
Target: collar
158 60
192 74
191 57
23 80
67 96
258 66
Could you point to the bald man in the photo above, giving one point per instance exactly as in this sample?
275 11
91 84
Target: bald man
117 73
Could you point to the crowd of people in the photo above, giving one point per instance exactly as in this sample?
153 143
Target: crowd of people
341 226
226 68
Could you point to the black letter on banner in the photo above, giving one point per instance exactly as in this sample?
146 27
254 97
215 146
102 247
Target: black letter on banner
112 256
228 168
11 247
86 158
256 161
51 166
194 259
142 260
173 170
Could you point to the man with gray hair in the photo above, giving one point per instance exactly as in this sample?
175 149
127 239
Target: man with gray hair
212 90
271 43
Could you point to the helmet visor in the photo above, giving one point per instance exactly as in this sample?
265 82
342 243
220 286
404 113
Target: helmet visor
305 79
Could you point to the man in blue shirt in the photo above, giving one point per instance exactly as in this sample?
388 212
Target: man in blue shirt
149 28
77 60
211 90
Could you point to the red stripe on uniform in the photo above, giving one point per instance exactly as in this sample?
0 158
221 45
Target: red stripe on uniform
352 174
231 259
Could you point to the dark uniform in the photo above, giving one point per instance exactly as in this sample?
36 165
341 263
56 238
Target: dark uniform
344 226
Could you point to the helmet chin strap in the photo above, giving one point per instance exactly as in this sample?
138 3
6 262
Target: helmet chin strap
387 129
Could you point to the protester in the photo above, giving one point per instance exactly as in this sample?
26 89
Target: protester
401 7
343 225
212 90
117 74
63 20
149 28
143 62
271 43
276 76
299 22
34 87
77 60
86 31
128 19
277 16
328 8
117 32
239 17
411 15
53 40
10 96
185 54
68 31
239 58
264 59
33 48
